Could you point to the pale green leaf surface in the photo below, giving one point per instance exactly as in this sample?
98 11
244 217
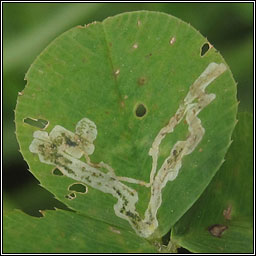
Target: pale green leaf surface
228 201
67 232
74 77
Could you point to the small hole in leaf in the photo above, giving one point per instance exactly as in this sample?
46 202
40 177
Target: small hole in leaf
172 40
204 49
39 123
71 196
135 46
140 110
117 72
57 172
78 187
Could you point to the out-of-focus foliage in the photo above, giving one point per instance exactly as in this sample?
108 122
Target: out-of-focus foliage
29 27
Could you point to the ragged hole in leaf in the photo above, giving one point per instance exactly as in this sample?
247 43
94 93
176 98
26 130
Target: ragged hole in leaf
217 230
204 49
39 123
140 110
78 187
57 172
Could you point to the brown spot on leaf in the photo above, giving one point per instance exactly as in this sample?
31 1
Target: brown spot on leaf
227 213
142 80
149 55
217 230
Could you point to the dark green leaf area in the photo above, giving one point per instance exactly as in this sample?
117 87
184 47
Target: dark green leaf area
221 221
67 232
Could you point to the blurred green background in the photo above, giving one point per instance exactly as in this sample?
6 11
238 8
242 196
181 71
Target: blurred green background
29 27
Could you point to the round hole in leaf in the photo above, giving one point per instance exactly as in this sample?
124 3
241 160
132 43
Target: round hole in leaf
140 110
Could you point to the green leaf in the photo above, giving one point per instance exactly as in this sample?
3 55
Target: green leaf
66 232
130 81
221 221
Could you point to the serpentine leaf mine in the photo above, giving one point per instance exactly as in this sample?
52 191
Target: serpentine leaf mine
63 149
